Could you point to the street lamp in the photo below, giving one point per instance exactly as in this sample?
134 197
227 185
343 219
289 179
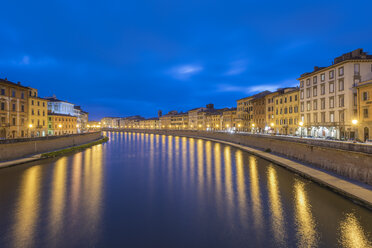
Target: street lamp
355 123
253 125
301 125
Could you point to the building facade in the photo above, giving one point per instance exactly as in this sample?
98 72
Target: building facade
364 120
286 112
328 96
58 106
13 110
37 114
60 124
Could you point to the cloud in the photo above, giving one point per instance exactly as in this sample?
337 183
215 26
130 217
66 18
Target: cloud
27 60
255 88
237 67
185 71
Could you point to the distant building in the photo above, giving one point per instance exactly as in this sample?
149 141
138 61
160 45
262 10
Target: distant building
58 106
82 119
13 110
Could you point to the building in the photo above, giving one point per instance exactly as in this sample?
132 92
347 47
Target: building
259 112
244 113
60 124
270 111
180 121
37 114
228 119
364 121
93 125
328 96
110 122
82 119
13 110
58 106
286 112
214 120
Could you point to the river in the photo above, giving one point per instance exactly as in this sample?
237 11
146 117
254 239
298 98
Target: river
145 190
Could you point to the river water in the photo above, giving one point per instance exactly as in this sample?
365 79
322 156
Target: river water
145 190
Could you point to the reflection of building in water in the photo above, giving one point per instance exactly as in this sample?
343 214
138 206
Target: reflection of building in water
276 207
352 234
240 181
28 208
255 194
306 227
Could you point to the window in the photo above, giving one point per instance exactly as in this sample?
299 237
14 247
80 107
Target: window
332 102
14 121
341 102
296 109
322 77
14 107
308 105
322 117
340 85
365 96
315 91
302 107
356 81
341 71
356 69
315 80
23 95
355 99
2 106
315 117
23 108
308 82
332 116
342 116
322 103
32 102
315 105
365 113
290 98
331 87
308 119
285 100
302 94
38 103
322 89
2 92
295 97
331 74
13 93
302 84
32 112
308 93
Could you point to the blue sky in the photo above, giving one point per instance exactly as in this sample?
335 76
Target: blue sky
120 58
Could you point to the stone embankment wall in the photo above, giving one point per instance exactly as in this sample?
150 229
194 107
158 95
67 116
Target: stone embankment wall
347 159
18 148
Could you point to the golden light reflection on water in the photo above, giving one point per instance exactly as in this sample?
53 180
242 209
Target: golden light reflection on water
191 160
240 178
352 233
57 196
217 175
228 179
200 172
208 155
255 194
306 227
28 208
170 161
277 221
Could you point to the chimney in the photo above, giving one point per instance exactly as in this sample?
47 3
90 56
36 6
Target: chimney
19 83
210 106
160 113
316 68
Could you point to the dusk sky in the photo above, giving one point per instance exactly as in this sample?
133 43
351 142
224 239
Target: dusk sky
121 58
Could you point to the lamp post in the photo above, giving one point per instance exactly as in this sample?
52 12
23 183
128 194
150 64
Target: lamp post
253 125
301 125
272 126
29 129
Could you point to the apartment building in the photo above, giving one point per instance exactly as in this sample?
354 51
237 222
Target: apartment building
61 124
259 111
286 112
228 119
13 110
244 113
214 120
270 111
328 95
364 120
180 121
37 114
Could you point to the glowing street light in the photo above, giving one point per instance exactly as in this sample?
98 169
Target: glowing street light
301 125
30 126
272 124
354 122
60 125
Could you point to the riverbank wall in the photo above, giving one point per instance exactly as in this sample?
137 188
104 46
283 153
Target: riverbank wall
19 148
353 161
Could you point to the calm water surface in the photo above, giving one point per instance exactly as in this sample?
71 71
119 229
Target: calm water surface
143 190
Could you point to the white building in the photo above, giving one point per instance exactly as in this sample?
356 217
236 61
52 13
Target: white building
58 106
328 97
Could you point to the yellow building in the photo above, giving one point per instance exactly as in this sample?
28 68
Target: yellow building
364 121
214 121
287 114
229 119
13 110
180 121
60 124
244 113
37 114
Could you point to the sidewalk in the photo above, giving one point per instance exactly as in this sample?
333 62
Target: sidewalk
20 161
